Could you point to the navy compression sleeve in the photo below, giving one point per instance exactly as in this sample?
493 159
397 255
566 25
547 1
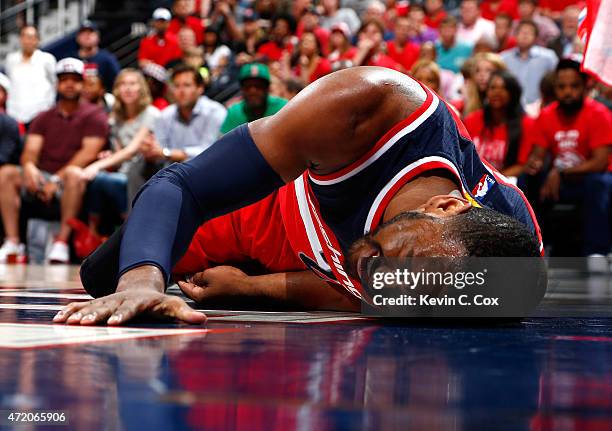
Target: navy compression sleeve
177 200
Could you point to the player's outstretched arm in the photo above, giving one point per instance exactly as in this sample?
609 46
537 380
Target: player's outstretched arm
300 289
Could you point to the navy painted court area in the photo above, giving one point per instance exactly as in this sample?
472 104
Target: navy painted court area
248 370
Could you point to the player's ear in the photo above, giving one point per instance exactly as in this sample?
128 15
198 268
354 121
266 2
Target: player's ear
446 206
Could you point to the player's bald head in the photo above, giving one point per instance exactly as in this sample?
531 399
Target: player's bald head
477 232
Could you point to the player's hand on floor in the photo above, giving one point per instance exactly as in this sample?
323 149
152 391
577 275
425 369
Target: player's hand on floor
120 307
215 282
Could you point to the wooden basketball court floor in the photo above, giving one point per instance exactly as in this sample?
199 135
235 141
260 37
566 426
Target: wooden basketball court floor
254 370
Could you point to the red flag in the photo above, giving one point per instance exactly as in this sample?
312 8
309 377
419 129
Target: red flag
594 29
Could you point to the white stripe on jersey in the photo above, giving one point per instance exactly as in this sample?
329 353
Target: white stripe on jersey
311 233
381 195
408 129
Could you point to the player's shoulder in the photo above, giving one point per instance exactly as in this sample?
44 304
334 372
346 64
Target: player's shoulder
367 85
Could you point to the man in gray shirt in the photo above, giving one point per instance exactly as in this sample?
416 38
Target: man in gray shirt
333 14
189 126
529 62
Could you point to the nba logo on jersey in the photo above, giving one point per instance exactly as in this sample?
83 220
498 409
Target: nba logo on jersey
483 186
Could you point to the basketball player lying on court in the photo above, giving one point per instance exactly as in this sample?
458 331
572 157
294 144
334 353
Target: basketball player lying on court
374 164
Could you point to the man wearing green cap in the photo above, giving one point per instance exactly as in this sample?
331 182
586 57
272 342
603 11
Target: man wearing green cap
257 102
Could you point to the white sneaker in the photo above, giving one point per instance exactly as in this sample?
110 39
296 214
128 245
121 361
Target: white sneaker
8 248
597 263
59 253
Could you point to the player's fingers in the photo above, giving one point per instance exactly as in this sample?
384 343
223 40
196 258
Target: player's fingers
177 308
98 313
192 291
87 310
187 314
69 310
125 311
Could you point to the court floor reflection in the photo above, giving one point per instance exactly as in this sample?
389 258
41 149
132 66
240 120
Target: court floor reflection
541 373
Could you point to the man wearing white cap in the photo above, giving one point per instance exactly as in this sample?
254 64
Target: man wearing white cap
159 47
32 76
69 135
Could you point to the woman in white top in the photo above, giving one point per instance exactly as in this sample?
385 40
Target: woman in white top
132 119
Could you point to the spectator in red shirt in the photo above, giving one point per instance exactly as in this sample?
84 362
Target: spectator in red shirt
489 9
282 40
309 22
308 62
554 9
159 47
501 131
503 33
61 140
340 48
370 48
182 10
434 9
400 49
577 132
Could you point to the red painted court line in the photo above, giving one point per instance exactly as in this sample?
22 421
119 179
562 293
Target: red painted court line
582 338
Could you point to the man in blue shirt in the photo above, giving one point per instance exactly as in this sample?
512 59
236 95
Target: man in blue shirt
189 126
88 41
529 62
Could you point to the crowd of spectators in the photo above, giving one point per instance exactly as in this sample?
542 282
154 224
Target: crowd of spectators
80 135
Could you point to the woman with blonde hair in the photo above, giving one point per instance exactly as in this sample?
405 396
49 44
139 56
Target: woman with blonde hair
428 73
477 73
117 174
